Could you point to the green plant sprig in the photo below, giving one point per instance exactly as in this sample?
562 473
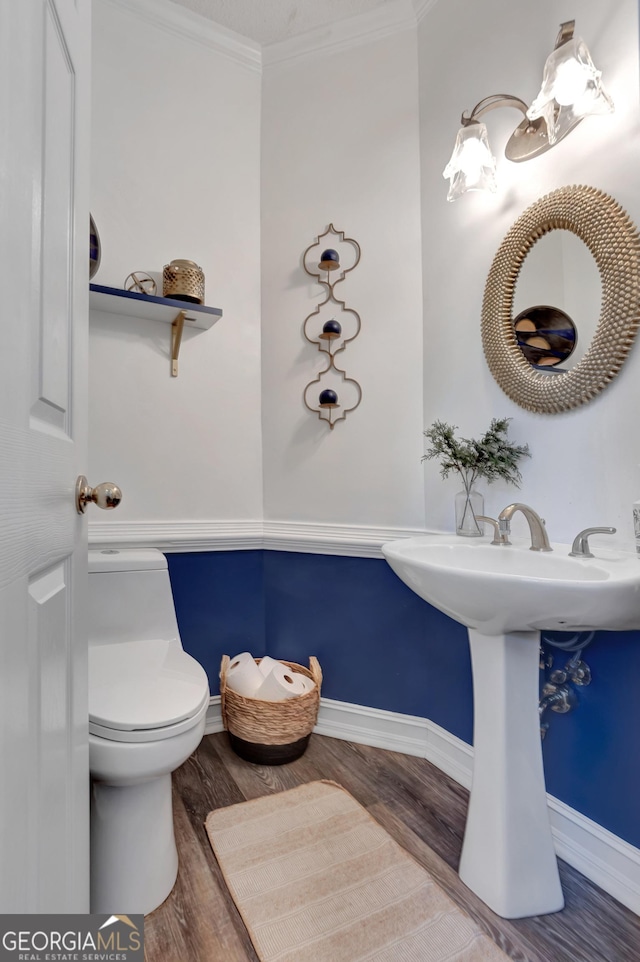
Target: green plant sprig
492 456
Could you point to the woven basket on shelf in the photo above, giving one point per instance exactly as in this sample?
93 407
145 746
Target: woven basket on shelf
270 732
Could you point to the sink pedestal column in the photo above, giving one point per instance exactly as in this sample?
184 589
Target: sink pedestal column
508 857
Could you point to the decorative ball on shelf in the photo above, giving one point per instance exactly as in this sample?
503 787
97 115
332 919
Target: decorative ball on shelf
139 282
331 329
329 260
328 398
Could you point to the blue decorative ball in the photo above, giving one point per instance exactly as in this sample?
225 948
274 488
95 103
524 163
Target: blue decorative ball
328 397
332 327
329 260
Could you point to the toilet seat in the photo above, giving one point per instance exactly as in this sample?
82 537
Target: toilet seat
149 734
144 690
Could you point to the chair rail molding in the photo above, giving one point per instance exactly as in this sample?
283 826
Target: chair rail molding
355 541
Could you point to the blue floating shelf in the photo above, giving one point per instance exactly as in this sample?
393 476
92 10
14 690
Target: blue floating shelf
180 314
113 300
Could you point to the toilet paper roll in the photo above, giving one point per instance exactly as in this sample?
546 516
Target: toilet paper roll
243 675
281 683
309 683
266 664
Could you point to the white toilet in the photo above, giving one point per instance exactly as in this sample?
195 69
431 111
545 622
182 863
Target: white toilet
147 705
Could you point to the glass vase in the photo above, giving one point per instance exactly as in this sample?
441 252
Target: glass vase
469 504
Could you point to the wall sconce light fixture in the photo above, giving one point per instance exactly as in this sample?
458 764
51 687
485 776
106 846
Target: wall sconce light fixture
571 89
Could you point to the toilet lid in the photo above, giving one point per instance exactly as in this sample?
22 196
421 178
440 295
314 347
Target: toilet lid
139 685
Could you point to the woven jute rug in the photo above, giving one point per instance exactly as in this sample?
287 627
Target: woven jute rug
317 879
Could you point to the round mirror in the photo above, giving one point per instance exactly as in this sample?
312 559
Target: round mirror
606 312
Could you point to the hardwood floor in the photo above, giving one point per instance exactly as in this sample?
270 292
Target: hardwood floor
418 805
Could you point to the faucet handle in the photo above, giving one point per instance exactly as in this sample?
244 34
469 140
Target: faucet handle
580 546
500 532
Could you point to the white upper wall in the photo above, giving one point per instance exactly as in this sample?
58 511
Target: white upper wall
178 133
340 144
584 466
176 173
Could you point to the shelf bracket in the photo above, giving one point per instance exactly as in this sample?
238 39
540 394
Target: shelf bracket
177 327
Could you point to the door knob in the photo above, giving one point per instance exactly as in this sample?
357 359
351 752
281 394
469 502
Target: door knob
106 495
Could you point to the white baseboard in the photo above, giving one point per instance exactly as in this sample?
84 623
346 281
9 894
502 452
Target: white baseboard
214 717
607 860
396 732
601 856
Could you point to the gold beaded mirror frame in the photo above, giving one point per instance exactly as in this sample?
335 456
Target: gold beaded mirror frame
614 242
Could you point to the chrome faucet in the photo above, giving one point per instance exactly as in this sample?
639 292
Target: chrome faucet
539 539
500 529
580 546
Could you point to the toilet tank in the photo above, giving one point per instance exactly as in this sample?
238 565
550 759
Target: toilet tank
130 597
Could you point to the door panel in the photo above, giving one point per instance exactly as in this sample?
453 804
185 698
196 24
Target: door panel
51 358
44 129
50 655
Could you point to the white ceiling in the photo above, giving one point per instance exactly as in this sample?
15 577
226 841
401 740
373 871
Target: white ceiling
267 21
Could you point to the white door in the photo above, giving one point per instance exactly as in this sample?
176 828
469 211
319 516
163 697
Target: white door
44 228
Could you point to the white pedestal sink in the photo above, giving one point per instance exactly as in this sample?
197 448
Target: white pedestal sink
505 595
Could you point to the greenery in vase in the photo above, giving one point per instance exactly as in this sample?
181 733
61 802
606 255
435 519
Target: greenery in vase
492 456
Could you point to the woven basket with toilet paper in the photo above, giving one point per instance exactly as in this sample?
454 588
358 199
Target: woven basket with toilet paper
269 707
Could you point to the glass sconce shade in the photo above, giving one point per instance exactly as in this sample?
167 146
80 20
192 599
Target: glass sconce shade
472 165
571 89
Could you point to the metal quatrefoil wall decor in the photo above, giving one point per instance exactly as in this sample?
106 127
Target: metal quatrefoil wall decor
331 326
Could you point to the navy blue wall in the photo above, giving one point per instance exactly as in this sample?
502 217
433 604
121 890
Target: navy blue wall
381 646
378 644
592 754
219 599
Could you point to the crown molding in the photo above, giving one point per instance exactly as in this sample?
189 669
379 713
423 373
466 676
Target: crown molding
422 8
365 28
187 25
353 541
393 17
